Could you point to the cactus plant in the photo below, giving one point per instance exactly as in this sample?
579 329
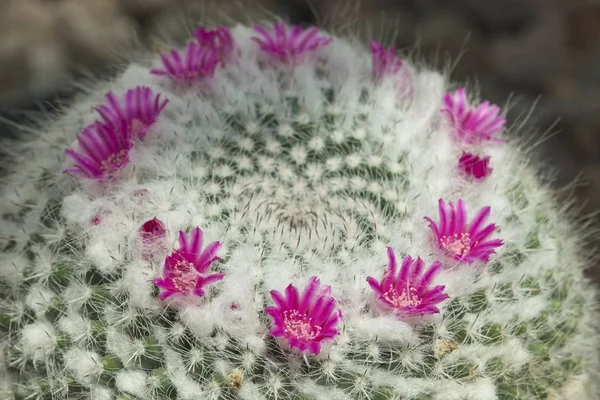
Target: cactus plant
280 213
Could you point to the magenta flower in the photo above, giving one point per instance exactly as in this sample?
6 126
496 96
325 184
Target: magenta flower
385 62
406 292
152 229
102 152
290 45
305 321
474 166
473 124
219 39
139 112
461 241
104 146
185 268
152 234
195 65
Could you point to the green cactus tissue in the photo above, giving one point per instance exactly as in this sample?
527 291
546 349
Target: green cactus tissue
278 213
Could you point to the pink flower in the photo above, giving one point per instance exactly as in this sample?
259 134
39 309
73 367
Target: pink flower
305 321
102 152
104 146
385 62
474 166
461 241
195 65
290 45
152 234
185 268
152 229
406 292
219 39
139 112
473 124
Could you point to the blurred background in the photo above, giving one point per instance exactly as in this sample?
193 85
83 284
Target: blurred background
537 52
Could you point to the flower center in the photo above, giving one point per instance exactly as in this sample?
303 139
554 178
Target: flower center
191 76
114 162
405 299
300 326
137 126
457 245
184 276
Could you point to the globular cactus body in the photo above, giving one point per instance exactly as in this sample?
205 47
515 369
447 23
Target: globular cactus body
305 162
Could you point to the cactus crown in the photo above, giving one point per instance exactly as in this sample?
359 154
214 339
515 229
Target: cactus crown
247 221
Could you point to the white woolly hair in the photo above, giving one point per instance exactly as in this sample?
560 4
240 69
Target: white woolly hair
288 202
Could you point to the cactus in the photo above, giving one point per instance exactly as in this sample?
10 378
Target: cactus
279 213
